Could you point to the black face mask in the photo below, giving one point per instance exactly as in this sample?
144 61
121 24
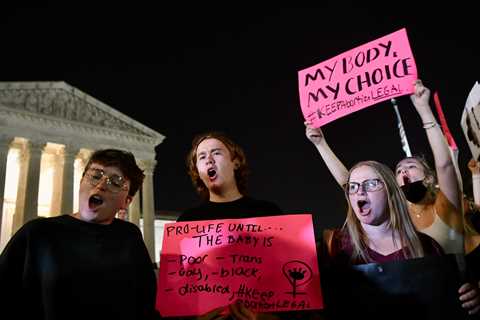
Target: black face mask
414 191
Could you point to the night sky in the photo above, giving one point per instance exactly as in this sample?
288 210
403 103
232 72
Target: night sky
234 69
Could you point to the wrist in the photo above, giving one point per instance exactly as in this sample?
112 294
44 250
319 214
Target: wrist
429 124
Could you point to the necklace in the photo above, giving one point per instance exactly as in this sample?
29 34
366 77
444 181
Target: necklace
418 212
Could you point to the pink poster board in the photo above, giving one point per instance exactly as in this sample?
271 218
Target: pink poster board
268 263
361 77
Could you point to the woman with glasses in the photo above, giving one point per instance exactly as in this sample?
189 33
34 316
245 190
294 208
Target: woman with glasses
86 264
378 228
435 209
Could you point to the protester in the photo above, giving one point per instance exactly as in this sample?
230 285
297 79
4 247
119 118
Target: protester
434 210
85 265
218 169
379 229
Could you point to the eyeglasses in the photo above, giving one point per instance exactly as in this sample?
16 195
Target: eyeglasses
369 185
115 183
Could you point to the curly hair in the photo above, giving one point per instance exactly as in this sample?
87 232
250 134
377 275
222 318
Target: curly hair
236 153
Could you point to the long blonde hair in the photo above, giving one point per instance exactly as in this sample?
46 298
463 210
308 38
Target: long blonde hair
398 217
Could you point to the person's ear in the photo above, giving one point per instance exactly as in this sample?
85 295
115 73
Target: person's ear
236 164
429 180
128 200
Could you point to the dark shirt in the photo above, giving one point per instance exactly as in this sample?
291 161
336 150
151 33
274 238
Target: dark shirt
473 263
65 268
390 286
244 207
342 250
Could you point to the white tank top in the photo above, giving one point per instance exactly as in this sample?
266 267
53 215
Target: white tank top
449 239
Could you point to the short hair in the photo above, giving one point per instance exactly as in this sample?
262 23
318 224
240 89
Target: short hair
398 216
124 161
236 153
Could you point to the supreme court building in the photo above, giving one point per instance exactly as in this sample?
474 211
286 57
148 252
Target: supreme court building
48 130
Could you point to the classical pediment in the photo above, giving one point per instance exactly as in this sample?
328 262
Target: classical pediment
62 102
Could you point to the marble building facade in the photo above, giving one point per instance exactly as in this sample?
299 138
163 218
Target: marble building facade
47 132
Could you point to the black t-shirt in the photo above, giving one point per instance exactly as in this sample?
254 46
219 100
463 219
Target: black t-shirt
244 207
65 268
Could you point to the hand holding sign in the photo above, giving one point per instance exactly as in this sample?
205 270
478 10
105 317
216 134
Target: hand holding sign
315 135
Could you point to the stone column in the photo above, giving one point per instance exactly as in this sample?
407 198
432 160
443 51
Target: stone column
4 147
69 154
134 210
148 207
56 202
33 180
22 187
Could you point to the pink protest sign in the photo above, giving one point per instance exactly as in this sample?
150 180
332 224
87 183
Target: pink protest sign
269 264
379 70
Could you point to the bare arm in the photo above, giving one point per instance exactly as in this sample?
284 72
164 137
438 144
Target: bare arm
444 166
336 167
474 167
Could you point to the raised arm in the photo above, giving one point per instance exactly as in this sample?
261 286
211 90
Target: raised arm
474 167
444 166
336 167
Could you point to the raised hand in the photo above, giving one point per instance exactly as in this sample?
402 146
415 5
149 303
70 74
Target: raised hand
474 167
421 97
314 135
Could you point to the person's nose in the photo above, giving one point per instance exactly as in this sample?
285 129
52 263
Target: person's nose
361 189
103 183
210 159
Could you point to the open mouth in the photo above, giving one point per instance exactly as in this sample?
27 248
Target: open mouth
211 172
406 180
363 206
95 201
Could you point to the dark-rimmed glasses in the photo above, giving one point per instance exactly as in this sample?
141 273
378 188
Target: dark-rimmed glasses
115 183
369 185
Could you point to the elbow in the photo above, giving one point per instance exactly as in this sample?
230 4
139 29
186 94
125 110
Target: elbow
445 166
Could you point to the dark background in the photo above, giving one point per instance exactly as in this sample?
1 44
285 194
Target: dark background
185 69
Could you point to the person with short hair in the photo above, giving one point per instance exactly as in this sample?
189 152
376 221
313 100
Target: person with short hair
87 264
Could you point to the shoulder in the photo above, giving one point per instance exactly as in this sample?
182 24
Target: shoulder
442 202
126 227
31 232
267 206
192 213
337 246
37 224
